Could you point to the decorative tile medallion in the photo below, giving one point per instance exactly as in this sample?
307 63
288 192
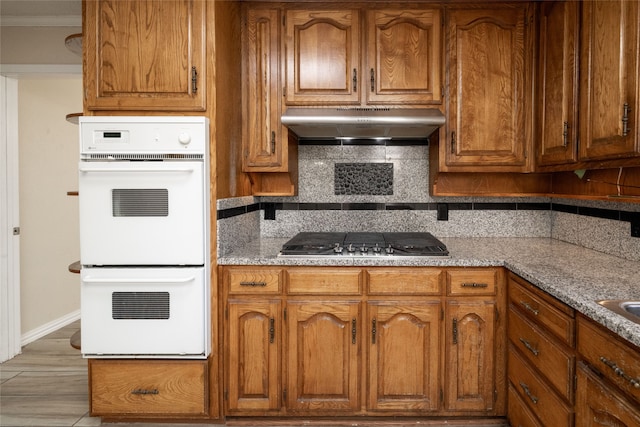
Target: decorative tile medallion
375 179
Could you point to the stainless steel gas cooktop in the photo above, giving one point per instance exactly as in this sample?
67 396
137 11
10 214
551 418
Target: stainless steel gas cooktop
363 244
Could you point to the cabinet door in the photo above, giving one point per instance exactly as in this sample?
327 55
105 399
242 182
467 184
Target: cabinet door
404 356
488 123
323 57
609 79
263 145
145 55
403 56
558 66
252 355
600 405
470 355
323 353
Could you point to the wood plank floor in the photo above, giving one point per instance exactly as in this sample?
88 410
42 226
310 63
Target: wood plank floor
46 386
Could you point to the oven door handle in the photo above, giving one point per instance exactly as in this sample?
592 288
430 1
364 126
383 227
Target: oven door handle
86 170
89 279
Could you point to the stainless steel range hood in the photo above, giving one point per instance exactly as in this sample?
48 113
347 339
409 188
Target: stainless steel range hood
416 123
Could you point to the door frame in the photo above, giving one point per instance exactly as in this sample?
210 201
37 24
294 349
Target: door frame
10 335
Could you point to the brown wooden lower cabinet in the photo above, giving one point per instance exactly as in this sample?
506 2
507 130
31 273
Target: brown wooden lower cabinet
601 405
404 355
364 341
608 378
149 388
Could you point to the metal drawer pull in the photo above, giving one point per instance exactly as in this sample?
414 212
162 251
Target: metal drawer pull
253 283
143 391
529 308
529 347
475 285
619 372
525 387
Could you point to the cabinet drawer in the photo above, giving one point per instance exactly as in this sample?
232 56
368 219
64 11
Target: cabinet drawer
615 359
335 281
472 281
255 280
556 363
537 395
405 281
519 414
148 388
543 309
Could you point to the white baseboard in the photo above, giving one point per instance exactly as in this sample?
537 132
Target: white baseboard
47 328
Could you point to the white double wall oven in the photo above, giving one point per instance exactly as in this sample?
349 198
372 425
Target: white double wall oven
144 192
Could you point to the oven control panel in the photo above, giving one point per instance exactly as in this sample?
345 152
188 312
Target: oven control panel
143 135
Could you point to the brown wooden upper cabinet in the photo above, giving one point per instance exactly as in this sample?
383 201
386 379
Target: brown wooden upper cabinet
394 59
557 113
489 60
609 81
145 55
264 149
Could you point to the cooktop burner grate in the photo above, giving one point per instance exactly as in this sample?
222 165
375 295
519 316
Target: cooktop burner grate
320 244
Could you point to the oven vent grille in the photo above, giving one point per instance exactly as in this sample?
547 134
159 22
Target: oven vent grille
140 305
130 156
140 202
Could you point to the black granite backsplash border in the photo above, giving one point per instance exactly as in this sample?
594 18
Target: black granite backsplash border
478 206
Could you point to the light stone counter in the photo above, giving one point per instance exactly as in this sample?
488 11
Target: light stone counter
575 275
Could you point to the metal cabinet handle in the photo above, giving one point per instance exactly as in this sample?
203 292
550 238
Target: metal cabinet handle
455 331
529 347
373 331
525 387
272 330
625 119
253 284
144 391
372 76
619 372
474 285
453 142
273 142
565 134
354 331
528 307
355 80
194 80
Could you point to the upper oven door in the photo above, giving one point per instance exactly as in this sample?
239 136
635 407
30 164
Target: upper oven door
142 213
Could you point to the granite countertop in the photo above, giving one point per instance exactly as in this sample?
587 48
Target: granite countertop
575 275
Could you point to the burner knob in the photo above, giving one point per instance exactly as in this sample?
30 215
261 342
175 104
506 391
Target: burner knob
364 249
350 248
376 248
389 250
337 248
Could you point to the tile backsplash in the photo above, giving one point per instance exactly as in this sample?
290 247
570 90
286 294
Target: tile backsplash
321 206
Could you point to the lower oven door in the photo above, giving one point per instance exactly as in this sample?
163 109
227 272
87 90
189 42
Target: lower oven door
143 213
145 312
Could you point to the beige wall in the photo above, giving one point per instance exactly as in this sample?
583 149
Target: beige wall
48 150
37 45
